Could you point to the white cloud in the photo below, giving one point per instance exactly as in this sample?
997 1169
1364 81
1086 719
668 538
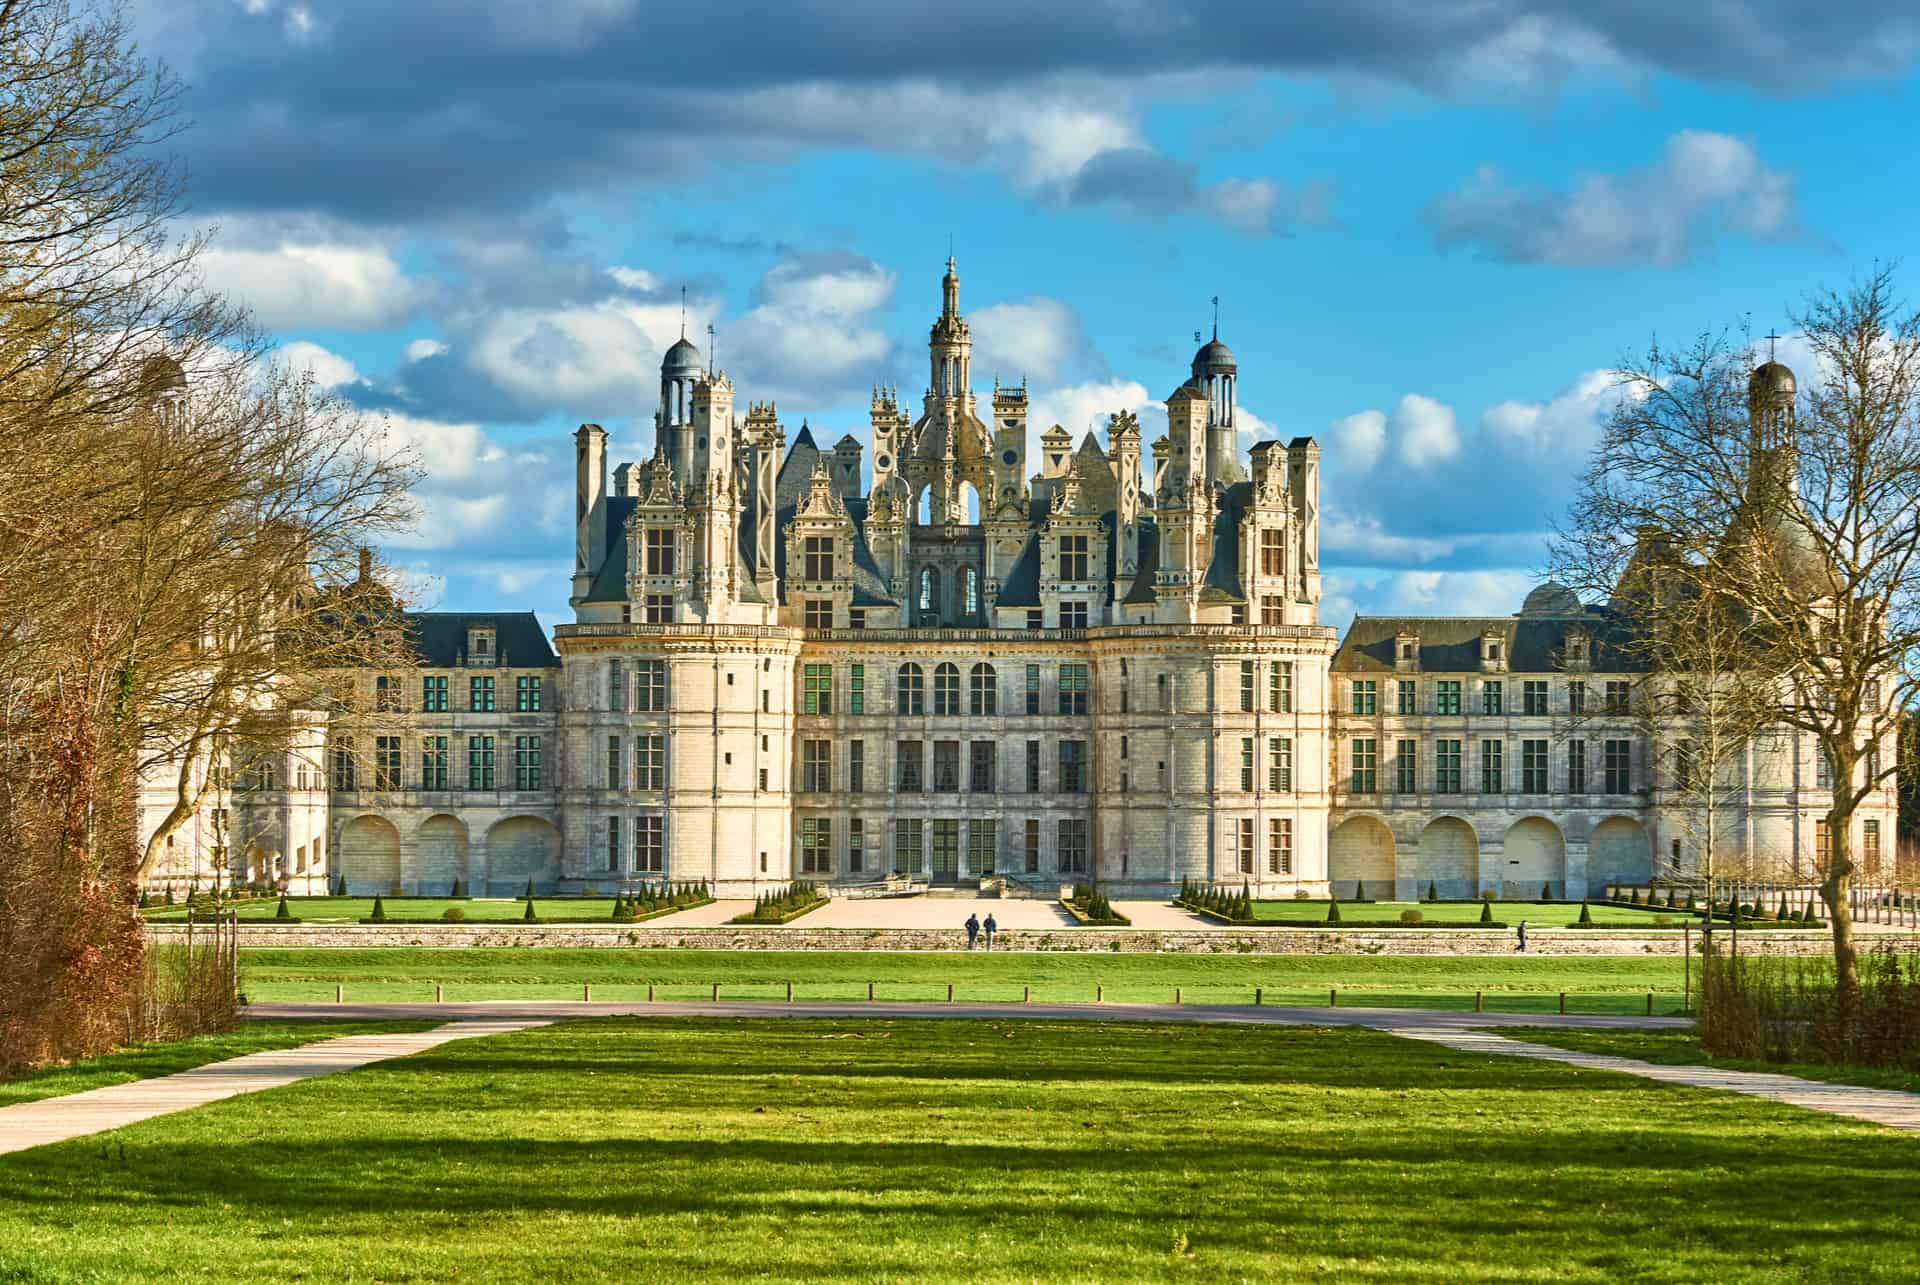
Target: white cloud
1452 593
329 370
1566 427
1084 408
296 285
1361 537
421 349
634 278
1355 442
1033 337
1425 430
1663 213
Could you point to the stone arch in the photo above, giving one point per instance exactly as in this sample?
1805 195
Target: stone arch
923 505
440 854
1617 852
1360 851
1536 856
369 855
519 849
1448 858
971 509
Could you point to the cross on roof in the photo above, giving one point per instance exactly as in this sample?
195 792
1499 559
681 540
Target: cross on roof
1770 341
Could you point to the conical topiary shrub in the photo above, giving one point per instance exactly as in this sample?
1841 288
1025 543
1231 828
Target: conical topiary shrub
459 890
1634 898
146 899
169 894
529 892
282 912
1359 890
1333 912
1586 913
1546 892
529 916
1486 912
1433 890
379 915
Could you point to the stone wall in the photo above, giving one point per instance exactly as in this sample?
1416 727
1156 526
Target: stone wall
1305 941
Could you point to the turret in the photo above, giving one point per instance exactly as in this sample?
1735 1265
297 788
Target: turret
680 372
846 467
590 505
1215 374
1123 445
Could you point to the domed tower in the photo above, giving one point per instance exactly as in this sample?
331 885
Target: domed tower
1215 375
1770 521
673 422
1771 389
950 345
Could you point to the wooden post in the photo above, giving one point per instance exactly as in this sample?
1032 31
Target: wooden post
1176 995
339 994
869 992
949 992
1649 1003
1686 971
1479 1001
1026 994
649 992
439 995
716 992
1256 997
1563 1003
1099 994
586 992
1333 998
789 992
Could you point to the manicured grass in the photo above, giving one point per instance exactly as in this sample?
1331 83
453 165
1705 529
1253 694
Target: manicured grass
144 1061
1511 983
349 910
1682 1048
1537 914
810 1150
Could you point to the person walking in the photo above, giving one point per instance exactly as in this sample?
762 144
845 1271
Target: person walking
973 929
1521 932
991 928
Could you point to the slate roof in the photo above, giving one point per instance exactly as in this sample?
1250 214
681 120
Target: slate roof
1141 593
610 580
1451 644
1223 573
1021 588
441 638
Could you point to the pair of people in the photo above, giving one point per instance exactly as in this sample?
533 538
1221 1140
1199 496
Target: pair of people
974 926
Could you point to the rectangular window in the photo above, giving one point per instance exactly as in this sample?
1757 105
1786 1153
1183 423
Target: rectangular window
1073 615
1822 769
616 686
659 551
659 608
1446 697
526 693
386 763
650 844
613 843
1243 854
1409 696
526 762
1073 558
386 694
1279 846
1073 767
816 846
479 762
816 766
1616 697
982 840
1576 767
1870 846
1616 763
983 691
1491 696
1491 753
817 613
1033 689
1365 696
909 846
980 766
1446 767
1280 686
857 767
650 686
946 766
1365 767
1033 767
1246 764
343 773
616 776
856 689
1036 619
911 767
433 763
817 689
1031 846
433 693
1683 765
818 557
856 846
1533 767
1073 689
1534 696
1406 767
1576 697
650 761
1280 763
1822 845
1072 853
1246 686
1271 563
480 694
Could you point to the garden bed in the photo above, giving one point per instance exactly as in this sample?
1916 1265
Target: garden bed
1113 919
774 909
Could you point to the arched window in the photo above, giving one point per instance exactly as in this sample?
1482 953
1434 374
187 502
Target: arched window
983 696
913 690
969 592
929 589
946 688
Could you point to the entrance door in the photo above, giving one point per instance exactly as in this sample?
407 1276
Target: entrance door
946 851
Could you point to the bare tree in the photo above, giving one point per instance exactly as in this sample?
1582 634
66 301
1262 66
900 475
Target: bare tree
1791 510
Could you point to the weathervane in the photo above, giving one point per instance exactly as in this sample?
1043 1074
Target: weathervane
713 355
1216 319
683 312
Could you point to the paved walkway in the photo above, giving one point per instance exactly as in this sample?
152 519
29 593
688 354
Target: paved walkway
1012 914
710 915
35 1124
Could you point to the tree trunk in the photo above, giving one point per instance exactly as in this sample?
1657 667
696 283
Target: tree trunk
1834 889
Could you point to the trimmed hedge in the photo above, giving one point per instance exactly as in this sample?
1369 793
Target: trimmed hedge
1090 908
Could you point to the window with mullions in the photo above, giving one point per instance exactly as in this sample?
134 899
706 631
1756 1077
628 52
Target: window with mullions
1272 562
386 763
856 767
1363 776
1533 767
1243 855
909 846
1073 557
816 766
659 557
480 694
1365 697
650 686
479 762
983 756
1446 697
983 836
1033 689
817 558
1280 687
816 846
1279 846
1491 698
856 689
1073 689
1073 615
1246 686
650 761
650 844
1408 699
1406 767
911 767
1576 767
1030 845
614 827
1533 696
1246 763
433 693
912 685
1072 852
526 762
856 845
946 689
1073 767
343 768
1490 767
1280 763
946 767
983 691
1617 764
1576 697
433 763
526 693
616 765
1446 767
816 689
817 613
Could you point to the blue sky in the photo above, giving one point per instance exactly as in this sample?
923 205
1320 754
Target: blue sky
1433 228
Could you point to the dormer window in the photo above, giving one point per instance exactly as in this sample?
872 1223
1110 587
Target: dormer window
480 645
1406 651
819 558
1577 652
659 559
1493 651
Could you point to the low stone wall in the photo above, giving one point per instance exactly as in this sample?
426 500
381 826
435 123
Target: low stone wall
1257 941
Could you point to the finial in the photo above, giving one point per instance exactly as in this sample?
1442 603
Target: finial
683 312
1770 339
1216 318
713 355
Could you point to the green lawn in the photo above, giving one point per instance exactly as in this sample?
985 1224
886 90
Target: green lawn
1510 983
143 1061
1682 1048
858 1151
353 909
1537 914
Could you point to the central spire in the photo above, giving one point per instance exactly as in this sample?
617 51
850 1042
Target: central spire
950 291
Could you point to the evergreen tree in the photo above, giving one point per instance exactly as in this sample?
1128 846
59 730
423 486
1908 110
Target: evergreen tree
1433 890
1586 912
529 916
1486 912
1333 912
1546 892
169 894
1359 890
379 915
529 892
282 912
